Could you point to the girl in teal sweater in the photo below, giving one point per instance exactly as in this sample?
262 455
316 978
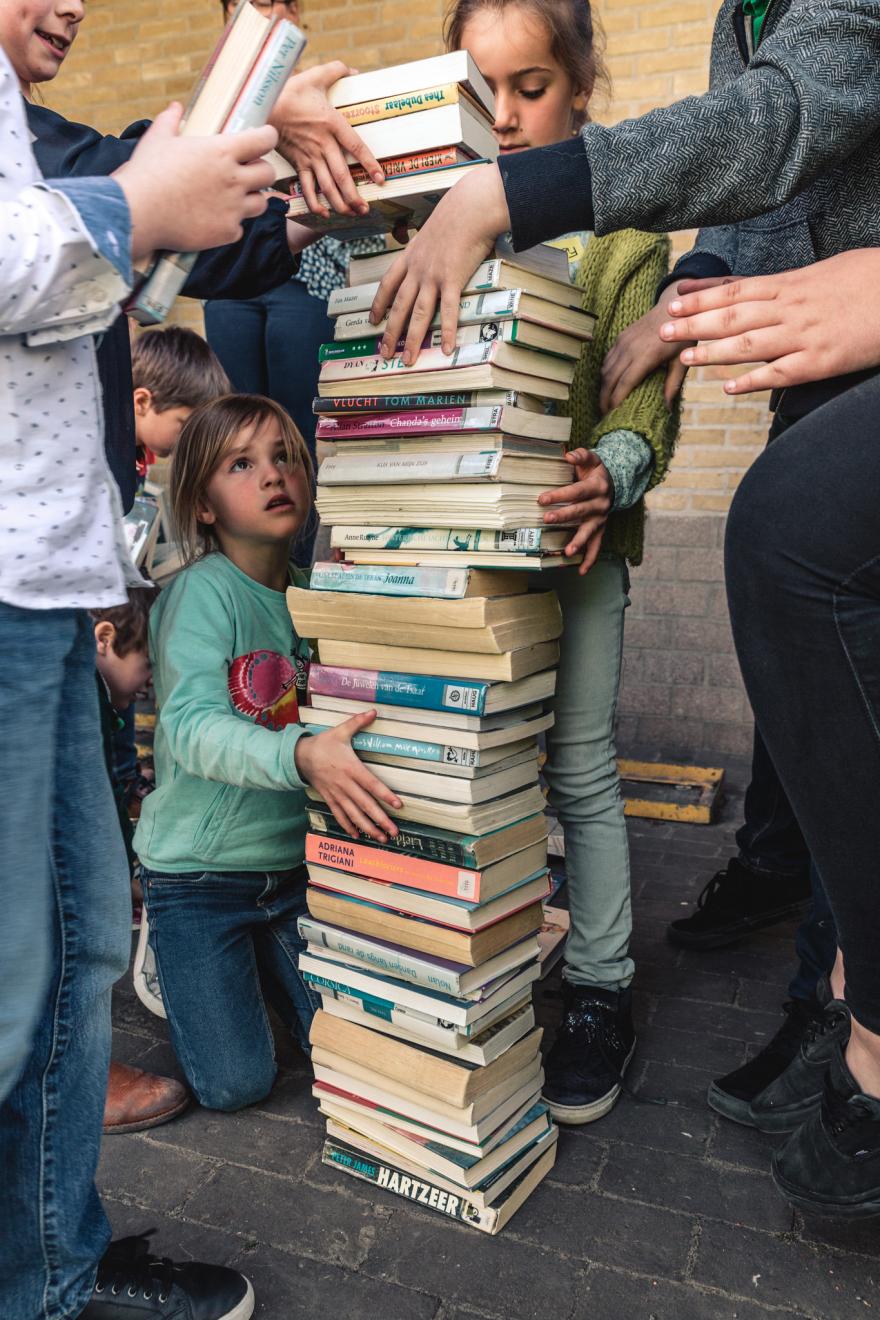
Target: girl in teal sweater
221 839
541 60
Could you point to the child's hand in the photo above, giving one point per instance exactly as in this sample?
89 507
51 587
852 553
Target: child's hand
588 499
638 352
327 762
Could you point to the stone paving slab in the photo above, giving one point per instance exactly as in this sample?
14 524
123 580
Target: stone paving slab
657 1212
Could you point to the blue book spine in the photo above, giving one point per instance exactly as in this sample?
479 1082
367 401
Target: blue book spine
427 692
381 744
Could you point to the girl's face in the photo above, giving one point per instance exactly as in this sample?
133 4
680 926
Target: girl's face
255 493
534 95
37 34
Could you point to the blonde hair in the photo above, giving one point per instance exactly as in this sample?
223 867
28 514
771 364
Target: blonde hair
204 439
576 39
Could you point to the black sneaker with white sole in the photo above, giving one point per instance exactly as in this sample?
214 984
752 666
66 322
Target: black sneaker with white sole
593 1048
133 1284
796 1093
737 901
831 1165
733 1094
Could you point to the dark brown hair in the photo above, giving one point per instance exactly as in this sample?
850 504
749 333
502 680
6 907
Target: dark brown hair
178 368
131 621
204 439
577 42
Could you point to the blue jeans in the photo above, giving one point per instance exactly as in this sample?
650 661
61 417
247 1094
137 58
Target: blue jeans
225 944
269 345
64 940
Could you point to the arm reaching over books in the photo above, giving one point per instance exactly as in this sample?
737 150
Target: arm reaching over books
803 325
207 185
315 136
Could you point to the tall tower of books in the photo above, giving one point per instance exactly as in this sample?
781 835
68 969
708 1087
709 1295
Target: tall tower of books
424 949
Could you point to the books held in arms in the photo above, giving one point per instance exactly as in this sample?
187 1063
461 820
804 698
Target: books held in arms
237 90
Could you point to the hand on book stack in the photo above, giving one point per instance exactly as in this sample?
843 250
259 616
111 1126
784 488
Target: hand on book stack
424 948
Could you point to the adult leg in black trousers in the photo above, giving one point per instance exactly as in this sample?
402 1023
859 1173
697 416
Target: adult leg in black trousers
803 574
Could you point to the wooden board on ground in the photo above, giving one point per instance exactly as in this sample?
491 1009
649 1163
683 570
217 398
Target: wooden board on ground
657 791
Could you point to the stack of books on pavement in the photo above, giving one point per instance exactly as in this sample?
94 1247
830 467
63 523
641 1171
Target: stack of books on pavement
426 122
424 949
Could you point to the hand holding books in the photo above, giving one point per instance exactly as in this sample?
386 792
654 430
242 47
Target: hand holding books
207 186
586 501
328 764
315 136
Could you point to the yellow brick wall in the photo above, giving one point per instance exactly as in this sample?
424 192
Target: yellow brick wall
132 58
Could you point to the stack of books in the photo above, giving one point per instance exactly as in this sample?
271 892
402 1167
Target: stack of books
424 949
426 122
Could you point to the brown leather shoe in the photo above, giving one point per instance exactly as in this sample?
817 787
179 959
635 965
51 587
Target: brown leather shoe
138 1099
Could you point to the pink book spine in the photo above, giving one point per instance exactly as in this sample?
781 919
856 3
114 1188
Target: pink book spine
338 428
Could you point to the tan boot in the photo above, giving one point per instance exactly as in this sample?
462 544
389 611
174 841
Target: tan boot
138 1100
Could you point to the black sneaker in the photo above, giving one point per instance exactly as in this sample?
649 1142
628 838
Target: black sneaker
593 1048
733 1094
831 1165
132 1284
797 1092
737 901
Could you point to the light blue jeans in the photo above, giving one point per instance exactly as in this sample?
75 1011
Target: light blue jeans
64 940
581 771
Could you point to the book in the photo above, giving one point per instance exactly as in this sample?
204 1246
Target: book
546 259
392 1178
454 67
404 103
552 937
416 162
424 691
507 419
440 720
237 90
467 817
470 947
141 528
471 443
359 1086
503 1027
437 783
459 125
434 583
425 1071
507 667
485 505
362 404
518 541
400 749
488 624
424 466
495 305
543 367
472 852
481 376
432 905
469 1167
435 973
406 199
395 867
496 273
543 563
522 333
453 744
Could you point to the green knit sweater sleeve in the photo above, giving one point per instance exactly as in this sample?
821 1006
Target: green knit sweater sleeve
619 275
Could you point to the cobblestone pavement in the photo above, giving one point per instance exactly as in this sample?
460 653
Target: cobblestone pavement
653 1213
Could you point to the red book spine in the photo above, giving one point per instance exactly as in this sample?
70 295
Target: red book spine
393 867
379 424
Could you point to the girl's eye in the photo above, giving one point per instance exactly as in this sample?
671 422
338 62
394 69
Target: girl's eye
239 465
282 460
533 93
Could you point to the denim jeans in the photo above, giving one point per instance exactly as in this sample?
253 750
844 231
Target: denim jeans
269 345
581 771
226 943
803 581
64 940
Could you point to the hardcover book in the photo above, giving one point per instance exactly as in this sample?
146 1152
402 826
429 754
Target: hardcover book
470 851
446 421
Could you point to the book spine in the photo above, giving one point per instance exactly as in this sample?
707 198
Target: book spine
384 1009
496 304
425 691
436 583
452 850
440 421
385 959
479 332
393 867
396 167
383 469
392 1179
273 67
429 359
522 540
386 403
381 744
392 107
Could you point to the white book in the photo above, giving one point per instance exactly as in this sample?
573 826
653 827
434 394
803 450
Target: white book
502 1029
394 726
496 273
494 305
509 357
414 76
457 125
427 465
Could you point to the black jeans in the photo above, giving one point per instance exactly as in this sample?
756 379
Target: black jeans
803 580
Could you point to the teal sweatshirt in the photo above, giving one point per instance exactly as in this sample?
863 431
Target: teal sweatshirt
228 670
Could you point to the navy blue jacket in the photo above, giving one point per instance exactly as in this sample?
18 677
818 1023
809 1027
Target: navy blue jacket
258 262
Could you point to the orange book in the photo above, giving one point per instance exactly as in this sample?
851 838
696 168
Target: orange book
399 868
